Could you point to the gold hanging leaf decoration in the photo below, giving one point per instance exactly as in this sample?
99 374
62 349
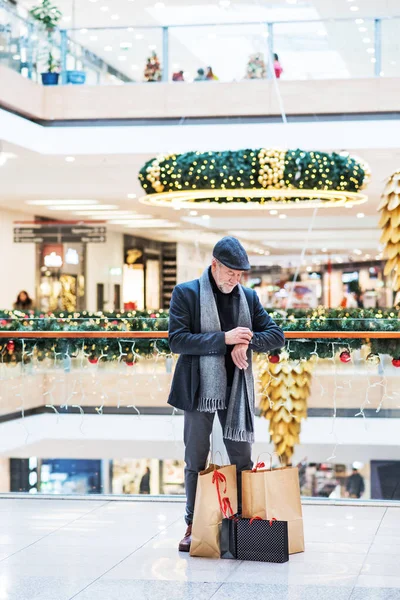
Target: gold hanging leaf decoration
285 388
389 222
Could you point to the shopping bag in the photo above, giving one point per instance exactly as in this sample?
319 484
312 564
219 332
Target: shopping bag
228 540
275 493
262 540
216 497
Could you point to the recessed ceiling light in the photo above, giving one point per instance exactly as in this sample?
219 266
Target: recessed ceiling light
73 202
367 40
93 38
322 32
205 216
273 212
283 216
224 3
373 60
193 213
122 57
104 8
354 8
84 30
360 215
130 29
324 249
152 47
159 5
125 45
88 207
70 159
362 29
108 48
357 251
131 196
309 269
115 17
371 50
139 36
16 57
382 74
359 21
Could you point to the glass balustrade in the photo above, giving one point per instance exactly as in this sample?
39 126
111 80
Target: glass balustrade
314 49
83 406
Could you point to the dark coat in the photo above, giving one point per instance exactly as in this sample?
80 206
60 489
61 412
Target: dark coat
186 339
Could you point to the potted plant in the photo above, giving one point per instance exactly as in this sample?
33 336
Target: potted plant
48 15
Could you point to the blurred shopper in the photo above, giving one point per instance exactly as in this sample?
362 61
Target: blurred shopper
201 76
178 76
214 372
355 486
144 487
23 302
210 76
277 66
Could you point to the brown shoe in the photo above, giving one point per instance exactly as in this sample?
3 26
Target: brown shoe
184 545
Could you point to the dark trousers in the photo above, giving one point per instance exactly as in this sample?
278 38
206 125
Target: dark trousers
197 432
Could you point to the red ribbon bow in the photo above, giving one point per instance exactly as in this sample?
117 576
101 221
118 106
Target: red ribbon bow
259 465
271 521
224 503
226 506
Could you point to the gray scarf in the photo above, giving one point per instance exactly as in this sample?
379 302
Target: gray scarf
213 381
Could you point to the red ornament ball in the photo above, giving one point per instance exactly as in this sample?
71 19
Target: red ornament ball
129 363
396 362
345 357
11 346
93 360
274 358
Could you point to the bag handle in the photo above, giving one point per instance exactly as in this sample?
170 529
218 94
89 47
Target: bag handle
261 465
280 458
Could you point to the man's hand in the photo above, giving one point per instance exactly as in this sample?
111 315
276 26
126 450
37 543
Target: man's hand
240 335
239 356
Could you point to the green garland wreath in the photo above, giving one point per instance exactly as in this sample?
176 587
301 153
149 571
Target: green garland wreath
253 169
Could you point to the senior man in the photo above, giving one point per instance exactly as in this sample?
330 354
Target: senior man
214 325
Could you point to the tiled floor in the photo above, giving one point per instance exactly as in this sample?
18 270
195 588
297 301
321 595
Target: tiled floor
100 550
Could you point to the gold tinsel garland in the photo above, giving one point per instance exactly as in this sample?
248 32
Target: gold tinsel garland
285 388
390 223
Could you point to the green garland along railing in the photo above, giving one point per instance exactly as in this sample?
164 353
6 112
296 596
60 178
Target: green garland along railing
323 320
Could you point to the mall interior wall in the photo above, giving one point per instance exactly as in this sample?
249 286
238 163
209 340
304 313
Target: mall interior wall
18 261
191 260
104 265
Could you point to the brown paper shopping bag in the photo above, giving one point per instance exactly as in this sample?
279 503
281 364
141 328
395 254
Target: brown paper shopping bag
275 494
215 494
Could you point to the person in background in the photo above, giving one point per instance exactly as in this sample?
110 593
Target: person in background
210 75
178 76
201 76
355 486
277 66
23 302
144 487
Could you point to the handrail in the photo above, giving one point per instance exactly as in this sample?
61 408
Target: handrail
164 334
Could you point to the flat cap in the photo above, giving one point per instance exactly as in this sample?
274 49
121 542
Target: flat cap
230 252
